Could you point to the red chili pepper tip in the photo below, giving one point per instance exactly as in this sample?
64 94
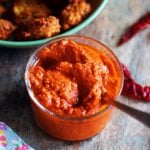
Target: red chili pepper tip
140 25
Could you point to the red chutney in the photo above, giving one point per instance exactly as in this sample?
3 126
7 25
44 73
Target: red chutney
67 82
71 79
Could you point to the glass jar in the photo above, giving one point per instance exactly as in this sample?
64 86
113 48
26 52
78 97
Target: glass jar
76 128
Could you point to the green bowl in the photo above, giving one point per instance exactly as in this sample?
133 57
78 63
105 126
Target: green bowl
97 5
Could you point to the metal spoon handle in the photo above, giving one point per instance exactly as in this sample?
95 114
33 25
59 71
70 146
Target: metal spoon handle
141 116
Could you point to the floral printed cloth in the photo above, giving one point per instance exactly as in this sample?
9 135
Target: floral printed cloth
10 141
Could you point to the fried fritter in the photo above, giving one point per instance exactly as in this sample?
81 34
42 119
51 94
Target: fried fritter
27 10
37 19
2 10
6 29
74 13
39 28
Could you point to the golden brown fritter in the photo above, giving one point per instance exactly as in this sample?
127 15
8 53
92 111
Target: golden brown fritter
27 10
39 28
2 10
6 29
74 13
32 17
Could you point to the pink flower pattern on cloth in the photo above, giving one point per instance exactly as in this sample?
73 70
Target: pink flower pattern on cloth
9 140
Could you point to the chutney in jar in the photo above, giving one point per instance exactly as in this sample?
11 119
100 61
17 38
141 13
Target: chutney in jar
69 80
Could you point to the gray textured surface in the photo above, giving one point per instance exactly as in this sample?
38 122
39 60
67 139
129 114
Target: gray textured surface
122 132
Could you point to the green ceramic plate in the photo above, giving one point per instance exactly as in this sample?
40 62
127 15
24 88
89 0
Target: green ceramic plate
98 5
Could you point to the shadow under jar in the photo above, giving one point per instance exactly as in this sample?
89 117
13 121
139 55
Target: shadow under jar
67 80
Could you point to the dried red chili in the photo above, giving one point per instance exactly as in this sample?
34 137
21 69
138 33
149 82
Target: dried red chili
141 24
133 89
